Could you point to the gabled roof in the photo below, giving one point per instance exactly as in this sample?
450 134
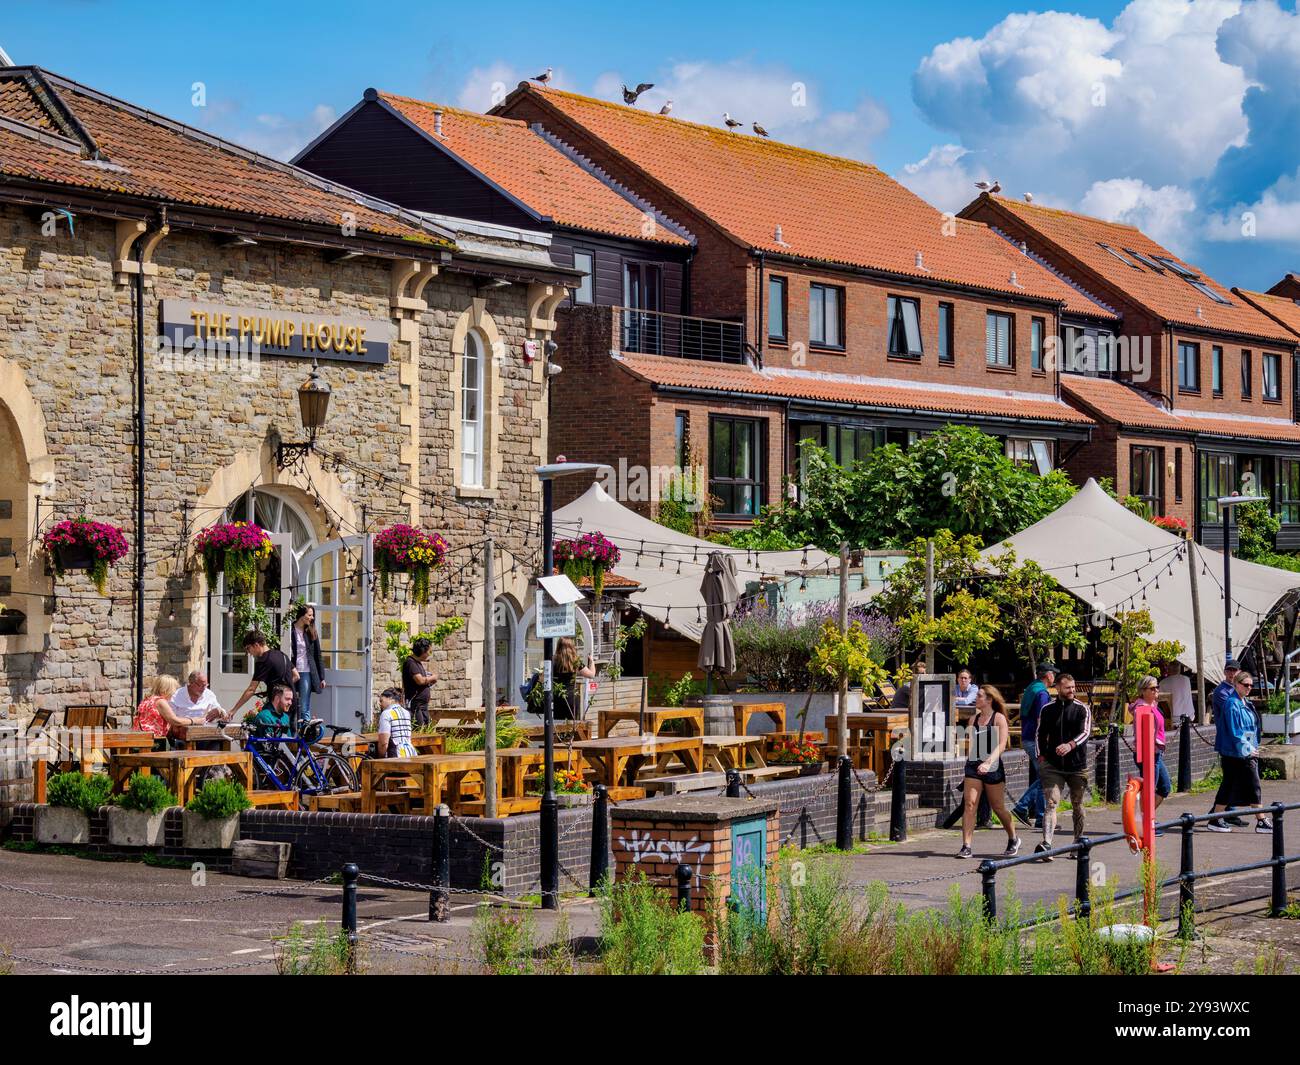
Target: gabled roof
834 210
1158 288
886 394
1282 310
532 171
53 130
1127 407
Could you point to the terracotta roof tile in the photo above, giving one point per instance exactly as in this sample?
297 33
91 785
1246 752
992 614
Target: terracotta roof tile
1279 308
843 388
19 103
1162 292
831 209
154 158
612 580
1126 406
533 171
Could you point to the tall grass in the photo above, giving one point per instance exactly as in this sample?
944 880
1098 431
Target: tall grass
643 933
318 952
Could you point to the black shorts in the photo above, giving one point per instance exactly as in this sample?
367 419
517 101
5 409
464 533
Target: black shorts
995 776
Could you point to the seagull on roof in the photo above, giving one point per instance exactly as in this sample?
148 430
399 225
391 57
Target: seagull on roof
630 95
1029 197
760 130
991 187
544 77
731 122
667 108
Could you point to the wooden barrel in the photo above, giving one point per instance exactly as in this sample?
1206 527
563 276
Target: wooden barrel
719 720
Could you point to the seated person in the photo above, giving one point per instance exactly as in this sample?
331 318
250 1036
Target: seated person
273 719
394 726
196 701
271 666
155 714
967 693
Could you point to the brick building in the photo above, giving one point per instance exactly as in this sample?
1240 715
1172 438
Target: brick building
111 216
1195 393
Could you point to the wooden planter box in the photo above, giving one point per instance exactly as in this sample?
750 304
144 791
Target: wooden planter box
252 857
61 824
574 798
200 834
135 828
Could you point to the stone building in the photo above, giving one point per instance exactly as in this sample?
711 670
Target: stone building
112 216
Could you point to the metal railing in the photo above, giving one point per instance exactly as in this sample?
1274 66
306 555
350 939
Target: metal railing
1187 876
659 333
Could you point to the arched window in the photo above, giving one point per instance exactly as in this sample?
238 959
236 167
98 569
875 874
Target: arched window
471 413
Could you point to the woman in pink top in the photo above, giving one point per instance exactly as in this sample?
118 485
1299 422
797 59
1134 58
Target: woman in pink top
1149 695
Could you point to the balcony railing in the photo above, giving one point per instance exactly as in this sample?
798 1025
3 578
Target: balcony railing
658 333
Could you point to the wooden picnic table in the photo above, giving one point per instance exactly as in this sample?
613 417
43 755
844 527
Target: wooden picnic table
745 712
652 719
618 759
96 747
232 736
871 734
438 778
733 752
180 769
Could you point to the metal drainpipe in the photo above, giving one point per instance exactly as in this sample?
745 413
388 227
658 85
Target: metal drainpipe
139 469
759 330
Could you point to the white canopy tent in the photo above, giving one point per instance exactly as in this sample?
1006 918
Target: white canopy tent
1110 558
668 564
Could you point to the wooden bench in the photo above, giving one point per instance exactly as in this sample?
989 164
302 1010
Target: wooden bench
625 694
343 801
274 797
745 712
625 794
391 802
678 783
769 772
524 804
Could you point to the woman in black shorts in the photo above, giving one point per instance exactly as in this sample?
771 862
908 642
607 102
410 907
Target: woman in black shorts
984 772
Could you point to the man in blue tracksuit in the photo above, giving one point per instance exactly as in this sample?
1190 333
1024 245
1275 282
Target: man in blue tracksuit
1031 708
1237 741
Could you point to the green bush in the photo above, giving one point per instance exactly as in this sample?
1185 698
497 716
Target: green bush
643 933
146 793
219 799
79 792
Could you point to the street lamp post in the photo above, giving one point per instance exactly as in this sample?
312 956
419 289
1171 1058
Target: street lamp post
1228 504
550 804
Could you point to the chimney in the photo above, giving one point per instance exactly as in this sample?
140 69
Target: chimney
437 122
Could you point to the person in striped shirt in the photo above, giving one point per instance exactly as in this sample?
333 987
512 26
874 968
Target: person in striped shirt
394 726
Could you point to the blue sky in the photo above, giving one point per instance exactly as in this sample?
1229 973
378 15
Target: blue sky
1180 116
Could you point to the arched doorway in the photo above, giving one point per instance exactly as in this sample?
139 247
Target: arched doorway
334 579
505 625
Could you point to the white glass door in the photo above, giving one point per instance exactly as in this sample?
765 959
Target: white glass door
334 579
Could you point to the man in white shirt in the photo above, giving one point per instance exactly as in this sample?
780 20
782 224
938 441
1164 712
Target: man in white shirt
1178 686
196 700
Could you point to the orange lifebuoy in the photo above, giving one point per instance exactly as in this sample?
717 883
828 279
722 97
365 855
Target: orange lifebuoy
1130 815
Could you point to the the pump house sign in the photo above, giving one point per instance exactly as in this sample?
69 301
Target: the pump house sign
189 330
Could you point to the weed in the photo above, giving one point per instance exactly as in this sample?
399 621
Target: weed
643 933
320 952
505 939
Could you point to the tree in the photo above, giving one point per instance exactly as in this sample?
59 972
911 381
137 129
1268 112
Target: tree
956 559
1042 613
967 623
1257 530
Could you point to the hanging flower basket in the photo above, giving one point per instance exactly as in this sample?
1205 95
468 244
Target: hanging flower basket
590 555
79 543
238 549
1169 524
406 549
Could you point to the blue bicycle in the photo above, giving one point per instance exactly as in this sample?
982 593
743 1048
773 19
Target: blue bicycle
288 762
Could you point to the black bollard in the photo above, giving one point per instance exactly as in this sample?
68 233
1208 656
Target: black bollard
1186 885
350 876
1279 866
844 807
898 803
599 839
684 875
988 881
440 896
733 784
1113 774
1185 754
1082 868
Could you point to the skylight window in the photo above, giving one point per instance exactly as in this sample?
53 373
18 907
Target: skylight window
1177 267
1200 286
1108 248
1192 278
1145 260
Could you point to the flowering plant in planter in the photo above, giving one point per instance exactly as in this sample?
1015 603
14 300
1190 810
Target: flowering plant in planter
79 543
1173 525
236 547
789 751
571 782
406 549
590 555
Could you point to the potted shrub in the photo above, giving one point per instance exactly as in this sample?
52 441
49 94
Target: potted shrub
238 549
805 754
406 549
79 543
590 555
71 799
136 820
211 820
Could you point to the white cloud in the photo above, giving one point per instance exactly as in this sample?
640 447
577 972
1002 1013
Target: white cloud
1274 217
271 134
1164 214
945 177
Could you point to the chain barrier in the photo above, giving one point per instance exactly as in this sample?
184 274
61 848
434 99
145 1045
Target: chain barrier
465 828
99 970
1208 743
154 903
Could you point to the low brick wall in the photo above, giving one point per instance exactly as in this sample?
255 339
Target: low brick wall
939 784
1204 758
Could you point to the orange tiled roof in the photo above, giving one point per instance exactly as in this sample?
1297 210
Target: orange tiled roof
612 580
1163 293
843 388
835 210
1279 308
1127 406
150 157
533 171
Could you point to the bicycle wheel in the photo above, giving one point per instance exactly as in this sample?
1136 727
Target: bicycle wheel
276 776
332 772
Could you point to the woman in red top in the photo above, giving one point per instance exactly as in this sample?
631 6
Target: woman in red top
155 715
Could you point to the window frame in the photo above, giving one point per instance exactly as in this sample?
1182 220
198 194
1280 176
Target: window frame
1288 503
1037 337
1216 370
1267 358
896 315
1152 463
1247 374
783 337
682 438
947 352
1010 319
479 423
1195 349
823 344
589 280
756 482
